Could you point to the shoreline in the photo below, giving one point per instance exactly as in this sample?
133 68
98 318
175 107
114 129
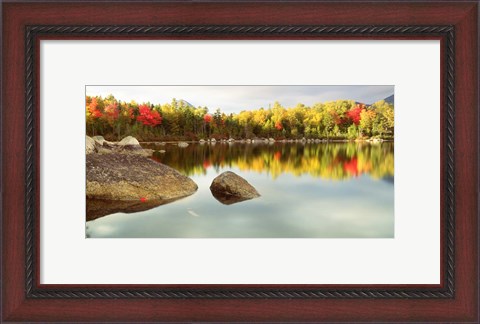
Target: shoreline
263 141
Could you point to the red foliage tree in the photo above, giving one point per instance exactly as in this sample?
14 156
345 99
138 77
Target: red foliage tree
278 125
148 117
354 113
111 113
341 120
338 120
207 118
93 109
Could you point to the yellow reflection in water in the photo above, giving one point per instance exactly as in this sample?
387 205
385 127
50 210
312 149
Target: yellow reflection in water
330 161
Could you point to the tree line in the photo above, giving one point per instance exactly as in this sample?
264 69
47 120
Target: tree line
179 120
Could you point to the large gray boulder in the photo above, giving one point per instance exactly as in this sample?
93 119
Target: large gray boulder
230 188
129 143
90 145
117 176
99 139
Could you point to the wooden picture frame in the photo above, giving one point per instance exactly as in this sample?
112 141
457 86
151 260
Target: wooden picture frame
455 24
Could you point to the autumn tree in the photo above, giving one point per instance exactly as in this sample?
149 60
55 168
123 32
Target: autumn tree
367 118
354 113
178 119
92 113
148 117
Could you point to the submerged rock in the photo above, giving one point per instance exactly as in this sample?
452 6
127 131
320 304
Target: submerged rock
132 177
230 188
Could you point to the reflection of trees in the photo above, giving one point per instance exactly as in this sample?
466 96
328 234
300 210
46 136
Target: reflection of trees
334 161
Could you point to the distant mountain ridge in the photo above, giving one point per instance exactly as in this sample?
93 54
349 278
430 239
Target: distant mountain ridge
390 99
186 103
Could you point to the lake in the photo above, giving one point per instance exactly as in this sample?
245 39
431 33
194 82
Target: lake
308 190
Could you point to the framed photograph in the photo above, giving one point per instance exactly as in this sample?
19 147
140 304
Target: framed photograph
240 162
325 150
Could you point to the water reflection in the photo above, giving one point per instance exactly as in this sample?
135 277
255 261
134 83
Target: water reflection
228 199
333 161
334 190
97 208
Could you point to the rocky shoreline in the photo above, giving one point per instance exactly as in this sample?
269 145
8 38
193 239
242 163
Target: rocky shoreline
134 177
128 145
120 176
123 171
264 141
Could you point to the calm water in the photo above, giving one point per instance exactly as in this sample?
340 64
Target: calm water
325 190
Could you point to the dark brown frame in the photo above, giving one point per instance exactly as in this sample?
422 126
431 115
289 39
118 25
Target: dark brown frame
455 299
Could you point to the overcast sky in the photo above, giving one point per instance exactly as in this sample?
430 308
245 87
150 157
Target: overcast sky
237 98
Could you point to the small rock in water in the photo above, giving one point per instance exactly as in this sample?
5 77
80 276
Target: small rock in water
230 188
